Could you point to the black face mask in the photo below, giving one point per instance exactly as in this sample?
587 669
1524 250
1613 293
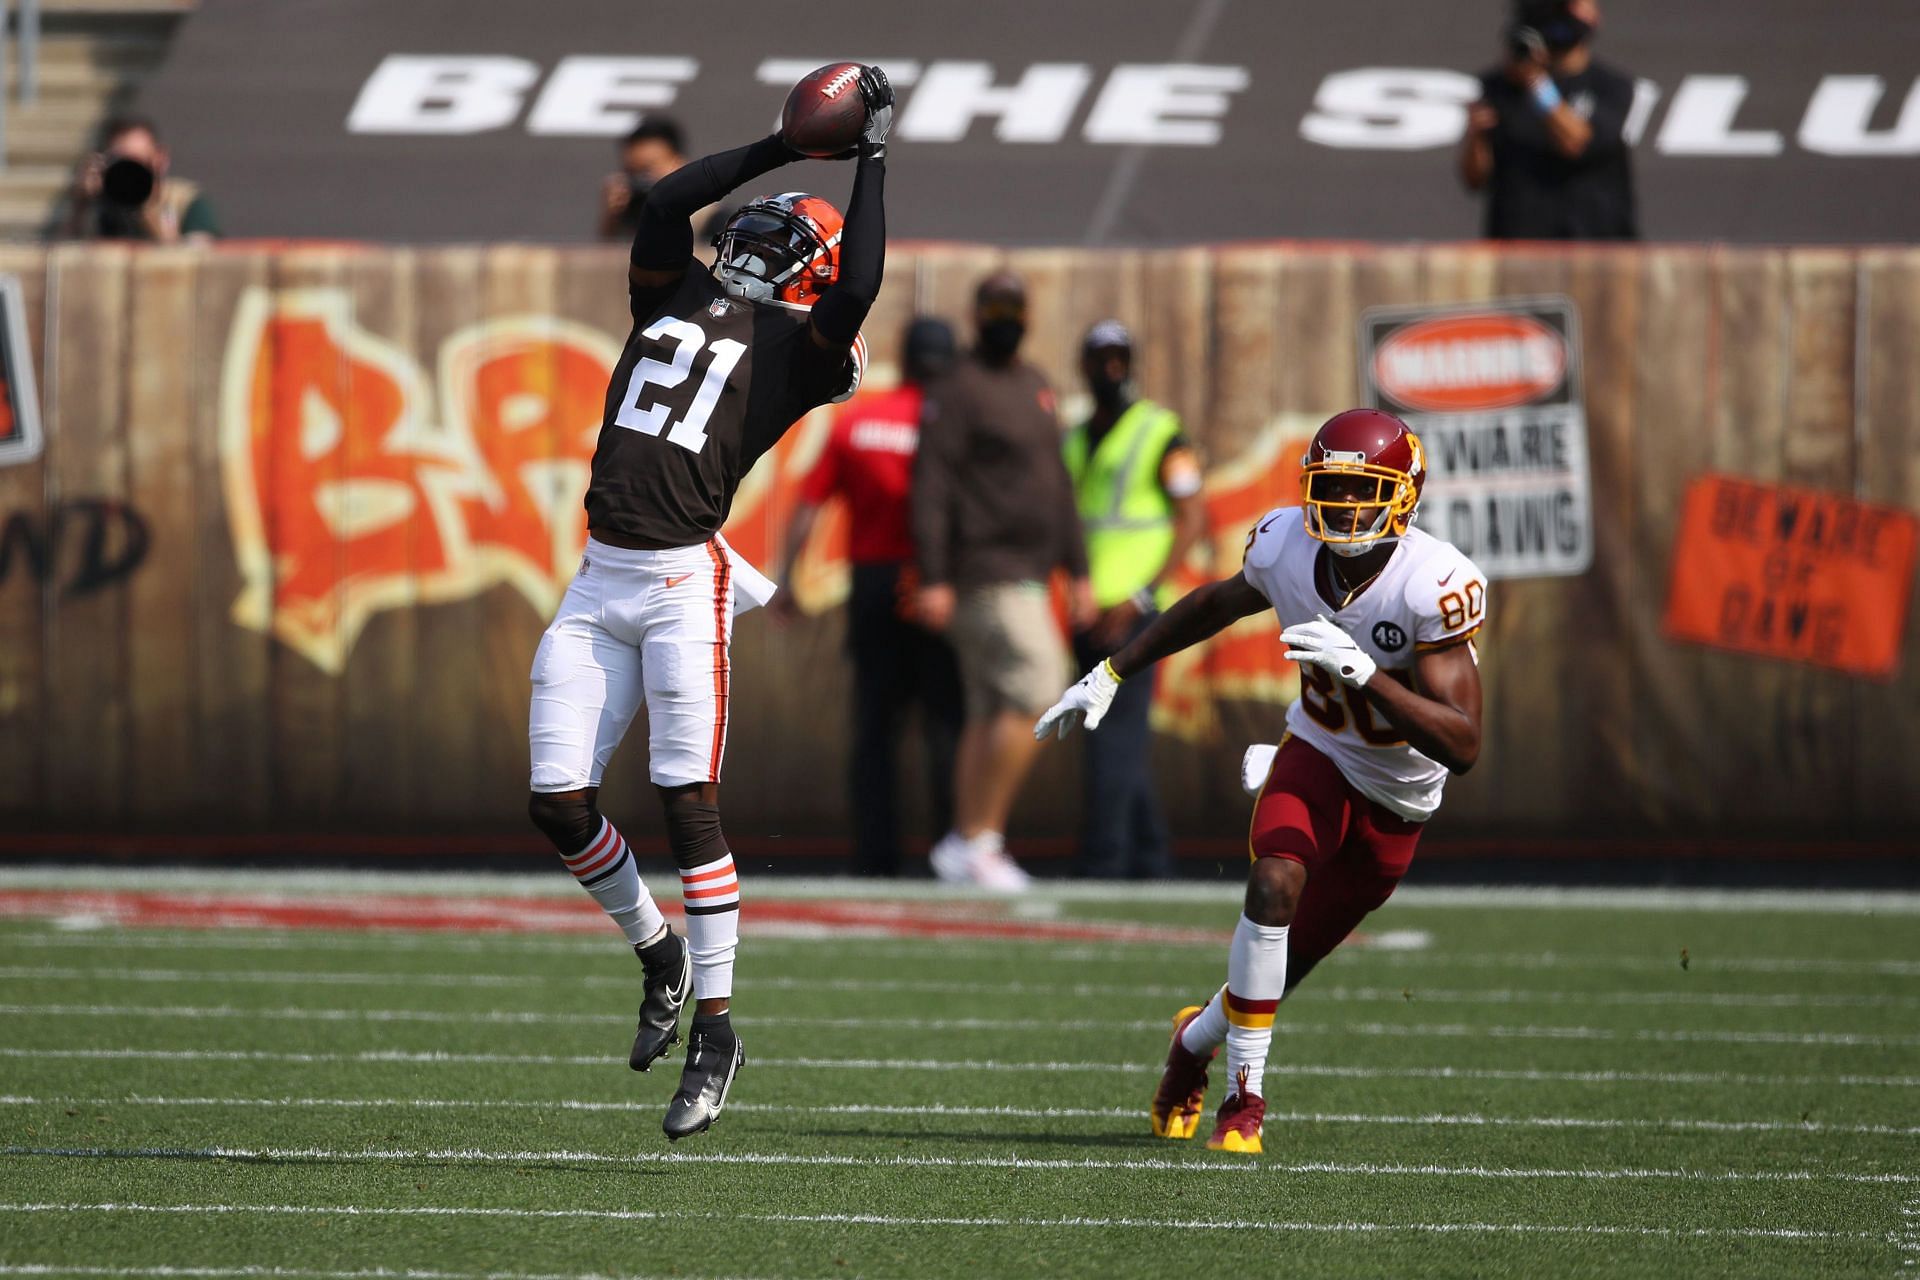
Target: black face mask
1108 392
999 339
1566 33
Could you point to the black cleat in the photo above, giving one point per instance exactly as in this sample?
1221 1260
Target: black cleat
669 970
714 1057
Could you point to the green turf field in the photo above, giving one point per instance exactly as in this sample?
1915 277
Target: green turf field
1538 1090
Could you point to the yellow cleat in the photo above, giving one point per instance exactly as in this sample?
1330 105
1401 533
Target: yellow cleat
1234 1140
1239 1126
1182 1095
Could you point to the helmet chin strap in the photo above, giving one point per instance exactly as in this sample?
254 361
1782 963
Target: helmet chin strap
1351 549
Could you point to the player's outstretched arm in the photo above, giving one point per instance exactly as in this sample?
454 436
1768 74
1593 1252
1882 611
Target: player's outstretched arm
843 308
663 242
1199 615
1194 617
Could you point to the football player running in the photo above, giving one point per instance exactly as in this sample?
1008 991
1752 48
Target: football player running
720 363
1380 618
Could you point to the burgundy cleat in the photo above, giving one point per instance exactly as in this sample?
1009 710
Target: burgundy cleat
1182 1095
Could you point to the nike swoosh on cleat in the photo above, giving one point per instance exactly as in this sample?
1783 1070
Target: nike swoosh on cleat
674 582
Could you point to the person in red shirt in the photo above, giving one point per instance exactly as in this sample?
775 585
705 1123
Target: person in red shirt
868 461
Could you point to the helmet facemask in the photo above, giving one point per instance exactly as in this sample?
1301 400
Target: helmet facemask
1354 505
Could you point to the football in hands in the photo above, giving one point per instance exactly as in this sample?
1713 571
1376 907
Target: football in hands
825 112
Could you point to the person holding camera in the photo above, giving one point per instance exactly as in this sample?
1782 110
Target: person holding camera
1547 140
654 149
124 192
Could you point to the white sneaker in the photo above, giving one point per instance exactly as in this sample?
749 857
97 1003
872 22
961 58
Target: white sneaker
993 869
952 859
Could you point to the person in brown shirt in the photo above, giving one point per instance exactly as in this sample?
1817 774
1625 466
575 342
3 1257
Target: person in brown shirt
993 517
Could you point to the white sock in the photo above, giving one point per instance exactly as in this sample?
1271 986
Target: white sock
1204 1034
1256 979
711 893
605 869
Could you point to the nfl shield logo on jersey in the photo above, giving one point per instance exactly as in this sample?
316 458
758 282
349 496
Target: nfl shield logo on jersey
719 307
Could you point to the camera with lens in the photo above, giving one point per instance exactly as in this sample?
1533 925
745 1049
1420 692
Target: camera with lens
127 183
1525 43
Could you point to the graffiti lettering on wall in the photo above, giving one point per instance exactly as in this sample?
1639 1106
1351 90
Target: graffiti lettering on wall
355 483
81 546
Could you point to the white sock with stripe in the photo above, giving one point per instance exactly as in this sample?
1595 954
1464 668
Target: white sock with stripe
1204 1034
711 893
605 869
1256 979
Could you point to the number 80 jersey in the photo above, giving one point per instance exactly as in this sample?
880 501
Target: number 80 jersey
707 384
1428 596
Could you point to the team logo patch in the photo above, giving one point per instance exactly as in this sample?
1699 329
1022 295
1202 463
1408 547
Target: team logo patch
1388 636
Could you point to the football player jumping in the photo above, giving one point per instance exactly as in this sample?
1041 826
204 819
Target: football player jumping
1380 618
720 363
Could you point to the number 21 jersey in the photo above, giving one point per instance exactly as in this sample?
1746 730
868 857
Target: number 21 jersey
1428 596
707 383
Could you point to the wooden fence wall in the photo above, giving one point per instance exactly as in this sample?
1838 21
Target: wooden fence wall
300 514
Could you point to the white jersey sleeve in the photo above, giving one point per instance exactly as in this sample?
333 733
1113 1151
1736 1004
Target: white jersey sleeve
1261 562
1447 597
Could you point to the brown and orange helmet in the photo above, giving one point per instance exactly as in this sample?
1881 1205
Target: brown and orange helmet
784 249
1361 479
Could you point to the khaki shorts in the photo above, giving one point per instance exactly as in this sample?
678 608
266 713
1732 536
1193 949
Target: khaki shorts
1012 657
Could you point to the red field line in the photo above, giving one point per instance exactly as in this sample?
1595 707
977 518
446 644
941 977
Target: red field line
148 910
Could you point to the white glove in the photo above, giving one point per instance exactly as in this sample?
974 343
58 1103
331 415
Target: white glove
1326 646
1087 700
1256 765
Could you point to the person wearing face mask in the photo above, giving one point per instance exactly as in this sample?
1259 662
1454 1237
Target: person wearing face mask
898 665
993 517
1547 140
1137 479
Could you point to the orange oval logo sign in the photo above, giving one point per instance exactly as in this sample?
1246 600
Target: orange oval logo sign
1454 363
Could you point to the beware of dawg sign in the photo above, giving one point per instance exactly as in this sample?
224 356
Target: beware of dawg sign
19 402
1493 391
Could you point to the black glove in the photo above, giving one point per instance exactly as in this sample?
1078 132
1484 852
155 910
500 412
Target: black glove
877 93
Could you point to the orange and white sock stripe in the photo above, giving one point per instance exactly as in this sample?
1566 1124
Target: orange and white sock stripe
605 854
710 888
1252 1015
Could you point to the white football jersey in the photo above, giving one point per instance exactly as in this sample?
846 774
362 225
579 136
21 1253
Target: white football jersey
1428 596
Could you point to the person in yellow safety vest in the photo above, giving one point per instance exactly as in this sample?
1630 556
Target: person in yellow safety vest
1137 481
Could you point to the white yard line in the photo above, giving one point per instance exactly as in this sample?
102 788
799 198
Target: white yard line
1151 1164
556 884
981 1066
1430 1120
1040 990
894 1220
1057 951
1831 1039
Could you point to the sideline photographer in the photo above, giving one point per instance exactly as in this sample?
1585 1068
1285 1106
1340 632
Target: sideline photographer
124 192
1547 140
654 149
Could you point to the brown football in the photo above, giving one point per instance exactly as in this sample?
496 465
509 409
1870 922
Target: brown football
824 112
